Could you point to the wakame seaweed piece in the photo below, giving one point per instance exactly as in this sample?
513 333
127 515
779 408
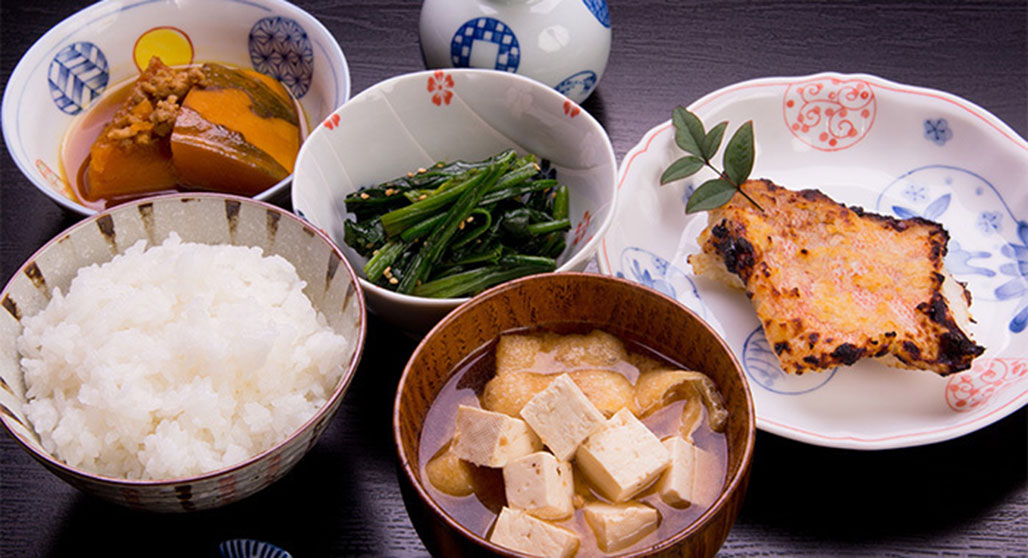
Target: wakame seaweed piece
364 236
436 243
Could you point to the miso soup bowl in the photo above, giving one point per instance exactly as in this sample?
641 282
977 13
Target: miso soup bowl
105 44
331 286
414 120
578 300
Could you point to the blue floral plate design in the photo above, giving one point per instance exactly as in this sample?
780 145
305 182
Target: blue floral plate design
892 149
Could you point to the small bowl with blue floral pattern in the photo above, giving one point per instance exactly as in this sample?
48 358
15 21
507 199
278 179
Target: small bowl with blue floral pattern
93 52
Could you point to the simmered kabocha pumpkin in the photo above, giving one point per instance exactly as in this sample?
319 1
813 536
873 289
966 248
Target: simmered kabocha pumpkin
204 127
237 124
132 154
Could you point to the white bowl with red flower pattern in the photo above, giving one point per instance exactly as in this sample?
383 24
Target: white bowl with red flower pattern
414 120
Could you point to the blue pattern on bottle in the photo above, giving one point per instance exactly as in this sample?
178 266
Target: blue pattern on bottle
581 83
599 9
77 75
489 30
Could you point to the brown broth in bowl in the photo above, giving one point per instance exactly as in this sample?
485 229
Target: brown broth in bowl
478 511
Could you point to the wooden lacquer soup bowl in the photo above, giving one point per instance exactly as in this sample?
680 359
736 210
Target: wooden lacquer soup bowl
570 302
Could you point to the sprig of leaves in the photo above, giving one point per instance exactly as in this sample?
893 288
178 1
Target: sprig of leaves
702 146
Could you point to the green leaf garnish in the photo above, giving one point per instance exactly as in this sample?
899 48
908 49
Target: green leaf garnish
688 131
738 158
702 146
712 141
710 195
686 166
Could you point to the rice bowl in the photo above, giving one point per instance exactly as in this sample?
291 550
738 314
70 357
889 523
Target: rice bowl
144 374
328 284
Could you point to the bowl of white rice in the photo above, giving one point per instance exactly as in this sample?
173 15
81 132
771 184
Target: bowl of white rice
178 353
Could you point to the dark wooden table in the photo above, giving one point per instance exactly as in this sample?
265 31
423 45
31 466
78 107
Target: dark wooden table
965 497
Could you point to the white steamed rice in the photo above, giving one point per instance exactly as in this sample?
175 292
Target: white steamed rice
176 360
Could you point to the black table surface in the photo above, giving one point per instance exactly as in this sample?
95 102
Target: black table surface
964 497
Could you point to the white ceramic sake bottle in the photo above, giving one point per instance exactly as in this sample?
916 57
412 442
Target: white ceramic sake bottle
562 43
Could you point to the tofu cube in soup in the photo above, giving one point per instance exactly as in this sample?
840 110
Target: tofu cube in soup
492 439
519 531
562 416
539 484
694 476
622 457
617 526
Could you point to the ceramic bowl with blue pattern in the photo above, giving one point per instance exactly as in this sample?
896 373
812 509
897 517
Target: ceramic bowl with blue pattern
562 43
205 218
96 49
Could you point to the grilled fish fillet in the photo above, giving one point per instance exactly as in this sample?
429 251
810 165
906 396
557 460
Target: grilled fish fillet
833 284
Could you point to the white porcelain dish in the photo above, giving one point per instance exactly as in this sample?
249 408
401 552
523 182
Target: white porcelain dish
101 46
414 120
892 149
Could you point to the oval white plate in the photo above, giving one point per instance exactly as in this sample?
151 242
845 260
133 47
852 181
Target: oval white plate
892 149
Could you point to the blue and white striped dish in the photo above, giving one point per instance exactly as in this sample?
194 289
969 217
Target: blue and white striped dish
250 548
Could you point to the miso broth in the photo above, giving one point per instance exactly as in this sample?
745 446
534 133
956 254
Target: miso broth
478 511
